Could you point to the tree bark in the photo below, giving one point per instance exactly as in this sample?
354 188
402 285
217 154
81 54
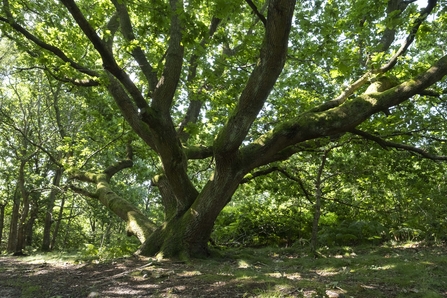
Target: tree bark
46 241
317 204
2 220
29 225
187 234
12 237
58 224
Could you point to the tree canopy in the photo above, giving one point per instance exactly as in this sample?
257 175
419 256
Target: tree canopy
200 97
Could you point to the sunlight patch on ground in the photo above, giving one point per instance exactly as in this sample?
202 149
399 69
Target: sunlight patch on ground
385 267
243 264
275 274
294 276
189 273
327 272
225 274
123 291
147 286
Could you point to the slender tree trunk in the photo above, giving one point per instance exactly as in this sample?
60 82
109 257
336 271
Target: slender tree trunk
105 239
316 219
93 232
46 241
67 229
21 231
29 226
2 220
58 224
13 227
317 205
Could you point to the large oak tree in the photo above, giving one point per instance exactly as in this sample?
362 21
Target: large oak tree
242 85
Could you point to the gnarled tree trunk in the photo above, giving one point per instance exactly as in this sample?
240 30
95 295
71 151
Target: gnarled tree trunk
186 234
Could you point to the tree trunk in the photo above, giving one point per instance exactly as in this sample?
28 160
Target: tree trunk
68 226
317 205
12 238
316 219
21 231
2 220
29 225
187 234
58 224
46 241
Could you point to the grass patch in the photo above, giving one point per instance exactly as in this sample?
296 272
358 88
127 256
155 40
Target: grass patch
366 271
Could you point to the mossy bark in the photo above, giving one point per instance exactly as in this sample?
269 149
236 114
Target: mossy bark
187 234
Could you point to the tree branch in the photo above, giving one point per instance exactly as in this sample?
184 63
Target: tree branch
137 52
256 12
55 50
410 38
195 105
261 81
390 64
260 173
83 192
103 147
109 62
167 85
388 36
122 164
387 144
312 125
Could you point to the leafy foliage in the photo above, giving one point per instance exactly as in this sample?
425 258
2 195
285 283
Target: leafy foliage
158 112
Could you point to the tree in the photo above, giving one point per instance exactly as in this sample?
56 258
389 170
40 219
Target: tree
237 85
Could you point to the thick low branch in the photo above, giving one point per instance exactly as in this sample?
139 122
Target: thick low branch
387 144
312 125
83 192
137 223
119 166
386 67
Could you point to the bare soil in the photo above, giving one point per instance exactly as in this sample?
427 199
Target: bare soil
129 277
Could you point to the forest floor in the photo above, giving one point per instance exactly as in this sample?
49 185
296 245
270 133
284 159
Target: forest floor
398 271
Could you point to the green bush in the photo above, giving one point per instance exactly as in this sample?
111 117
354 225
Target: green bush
352 233
261 224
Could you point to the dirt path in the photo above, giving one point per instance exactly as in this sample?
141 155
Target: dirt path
129 277
368 272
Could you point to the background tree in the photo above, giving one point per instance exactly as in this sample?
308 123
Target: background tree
236 85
